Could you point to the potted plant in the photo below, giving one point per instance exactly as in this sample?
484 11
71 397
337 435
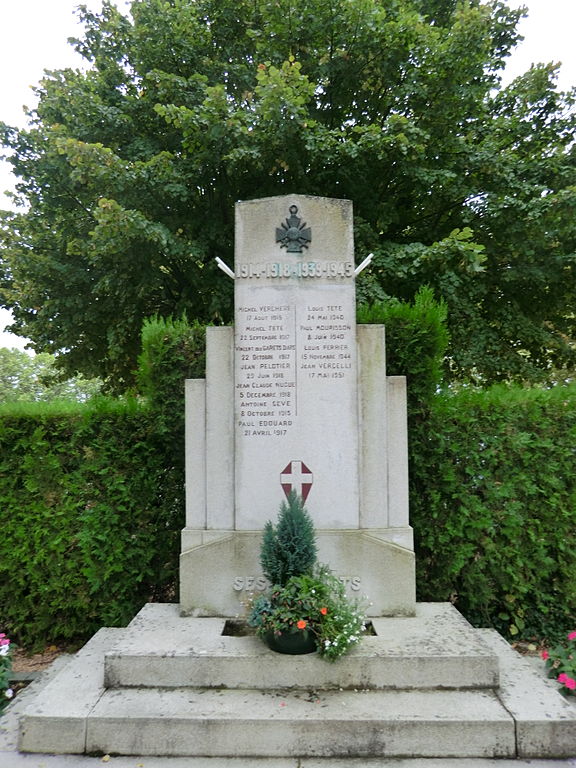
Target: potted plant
306 607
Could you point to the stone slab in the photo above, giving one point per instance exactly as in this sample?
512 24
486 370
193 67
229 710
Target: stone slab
545 721
21 760
11 758
56 720
373 406
195 453
219 459
379 569
223 722
10 718
398 495
435 649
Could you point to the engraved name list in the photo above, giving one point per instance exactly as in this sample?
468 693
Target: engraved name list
277 347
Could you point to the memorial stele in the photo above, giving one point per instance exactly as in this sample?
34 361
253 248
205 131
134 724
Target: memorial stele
296 397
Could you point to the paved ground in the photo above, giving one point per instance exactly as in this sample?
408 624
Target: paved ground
11 758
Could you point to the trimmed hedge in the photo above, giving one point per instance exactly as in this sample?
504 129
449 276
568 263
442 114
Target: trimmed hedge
492 484
493 506
92 499
416 342
84 536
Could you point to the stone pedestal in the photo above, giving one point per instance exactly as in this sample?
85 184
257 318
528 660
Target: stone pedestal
429 686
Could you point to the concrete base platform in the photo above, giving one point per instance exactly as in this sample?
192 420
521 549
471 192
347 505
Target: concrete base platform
11 758
515 714
436 649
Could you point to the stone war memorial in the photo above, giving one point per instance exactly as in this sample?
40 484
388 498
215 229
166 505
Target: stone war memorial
296 399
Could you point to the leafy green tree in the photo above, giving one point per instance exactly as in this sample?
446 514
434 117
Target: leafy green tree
130 171
33 378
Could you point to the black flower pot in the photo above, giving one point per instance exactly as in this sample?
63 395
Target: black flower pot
297 642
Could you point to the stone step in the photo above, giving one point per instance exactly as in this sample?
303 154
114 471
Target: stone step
74 714
435 649
243 723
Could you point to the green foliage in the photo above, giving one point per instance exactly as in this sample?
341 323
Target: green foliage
289 547
85 537
25 377
416 342
93 500
493 505
173 350
130 171
304 595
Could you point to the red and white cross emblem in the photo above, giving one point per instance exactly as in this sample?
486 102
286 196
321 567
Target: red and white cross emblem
296 477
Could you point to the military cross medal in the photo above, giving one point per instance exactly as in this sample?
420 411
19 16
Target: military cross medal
292 235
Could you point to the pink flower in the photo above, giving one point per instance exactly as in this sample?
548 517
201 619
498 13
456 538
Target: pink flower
570 683
4 641
572 635
562 677
544 654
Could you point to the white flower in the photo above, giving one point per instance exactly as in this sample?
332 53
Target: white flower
4 650
9 693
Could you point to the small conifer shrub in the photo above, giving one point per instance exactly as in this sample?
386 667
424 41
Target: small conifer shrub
289 547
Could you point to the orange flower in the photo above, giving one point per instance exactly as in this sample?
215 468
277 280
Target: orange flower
323 611
301 624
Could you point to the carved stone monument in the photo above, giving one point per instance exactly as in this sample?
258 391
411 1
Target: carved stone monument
296 397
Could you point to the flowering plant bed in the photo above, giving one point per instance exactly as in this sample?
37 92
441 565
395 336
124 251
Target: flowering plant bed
6 691
561 664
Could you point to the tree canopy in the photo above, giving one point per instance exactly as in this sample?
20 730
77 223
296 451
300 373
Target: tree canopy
28 378
130 172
